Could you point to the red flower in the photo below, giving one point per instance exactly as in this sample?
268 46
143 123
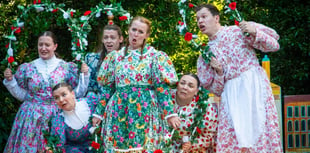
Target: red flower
190 5
197 98
78 43
17 29
7 45
71 13
35 2
11 59
232 5
236 22
39 1
87 13
204 44
95 145
198 130
82 25
181 23
122 18
158 151
188 36
55 10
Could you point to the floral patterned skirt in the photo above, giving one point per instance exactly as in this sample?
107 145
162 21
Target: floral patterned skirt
132 121
26 134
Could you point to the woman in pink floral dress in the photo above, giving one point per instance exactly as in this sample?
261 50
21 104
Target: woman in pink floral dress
248 120
32 84
185 104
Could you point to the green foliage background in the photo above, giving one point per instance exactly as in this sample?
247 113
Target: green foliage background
289 66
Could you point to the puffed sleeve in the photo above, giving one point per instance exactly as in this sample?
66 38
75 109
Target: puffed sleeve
266 38
208 78
92 101
163 74
79 82
58 129
106 80
18 86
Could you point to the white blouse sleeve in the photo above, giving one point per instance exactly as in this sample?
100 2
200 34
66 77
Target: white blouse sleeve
16 91
81 89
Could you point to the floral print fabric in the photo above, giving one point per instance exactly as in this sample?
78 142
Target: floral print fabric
34 113
206 141
236 53
74 140
132 117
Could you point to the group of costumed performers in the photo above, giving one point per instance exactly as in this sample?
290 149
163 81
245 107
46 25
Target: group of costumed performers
124 91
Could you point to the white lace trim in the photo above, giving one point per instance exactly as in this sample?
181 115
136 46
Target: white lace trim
45 67
77 118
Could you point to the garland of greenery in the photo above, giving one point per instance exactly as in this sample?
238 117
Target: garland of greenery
79 27
195 128
183 29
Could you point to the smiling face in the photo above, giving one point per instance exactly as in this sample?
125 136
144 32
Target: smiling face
46 47
111 40
187 88
138 32
65 99
207 23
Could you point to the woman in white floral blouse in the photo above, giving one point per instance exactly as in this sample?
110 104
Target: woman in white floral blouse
185 102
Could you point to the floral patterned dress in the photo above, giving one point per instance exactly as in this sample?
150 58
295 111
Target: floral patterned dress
34 87
206 141
72 127
131 115
248 119
92 59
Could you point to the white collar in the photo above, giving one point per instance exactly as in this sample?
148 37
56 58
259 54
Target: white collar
78 117
45 67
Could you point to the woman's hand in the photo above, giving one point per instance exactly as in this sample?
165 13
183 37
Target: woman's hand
247 27
8 74
217 66
96 121
186 146
84 68
174 121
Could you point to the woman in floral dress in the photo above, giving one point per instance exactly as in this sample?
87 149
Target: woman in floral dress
71 124
32 84
131 115
111 39
185 102
248 119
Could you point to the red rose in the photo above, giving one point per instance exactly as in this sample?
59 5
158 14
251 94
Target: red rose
82 25
71 13
198 130
11 59
197 98
158 151
188 36
95 145
35 2
78 43
39 1
122 18
190 5
204 44
181 23
87 13
232 5
236 23
7 45
55 10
